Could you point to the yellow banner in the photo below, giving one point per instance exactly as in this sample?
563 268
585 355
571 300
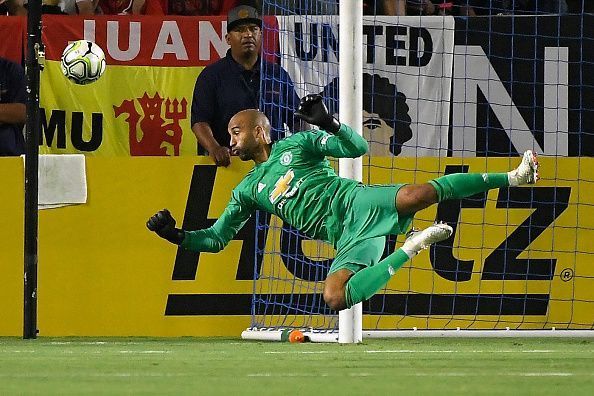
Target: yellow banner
129 111
101 272
508 245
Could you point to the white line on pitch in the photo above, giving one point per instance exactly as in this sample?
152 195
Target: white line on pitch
451 351
299 352
94 375
94 343
471 374
284 375
410 351
288 375
544 374
441 374
417 351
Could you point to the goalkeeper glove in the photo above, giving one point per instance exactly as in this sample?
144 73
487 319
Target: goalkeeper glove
313 110
164 225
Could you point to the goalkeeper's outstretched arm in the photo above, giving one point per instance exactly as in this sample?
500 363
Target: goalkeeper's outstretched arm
212 239
347 144
163 224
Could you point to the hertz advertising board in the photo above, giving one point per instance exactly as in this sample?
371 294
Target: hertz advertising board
101 272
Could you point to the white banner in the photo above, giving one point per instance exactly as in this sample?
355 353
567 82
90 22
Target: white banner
407 64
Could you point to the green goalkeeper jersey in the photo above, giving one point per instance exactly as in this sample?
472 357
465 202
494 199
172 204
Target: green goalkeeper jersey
296 183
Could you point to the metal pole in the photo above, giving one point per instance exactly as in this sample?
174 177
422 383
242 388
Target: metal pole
32 67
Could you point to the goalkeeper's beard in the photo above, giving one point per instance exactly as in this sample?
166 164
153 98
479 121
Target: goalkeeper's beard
244 156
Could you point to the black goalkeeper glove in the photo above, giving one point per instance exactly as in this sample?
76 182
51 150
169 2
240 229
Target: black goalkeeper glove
164 225
313 110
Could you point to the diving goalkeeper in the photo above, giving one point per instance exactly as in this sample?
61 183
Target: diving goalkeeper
293 180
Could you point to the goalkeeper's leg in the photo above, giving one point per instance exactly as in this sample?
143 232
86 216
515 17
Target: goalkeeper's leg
344 289
414 197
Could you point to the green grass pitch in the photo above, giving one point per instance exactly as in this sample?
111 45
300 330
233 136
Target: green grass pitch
212 366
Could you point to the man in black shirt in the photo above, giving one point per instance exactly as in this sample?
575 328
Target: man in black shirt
12 108
232 84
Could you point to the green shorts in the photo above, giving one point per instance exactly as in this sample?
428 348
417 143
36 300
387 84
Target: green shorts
369 215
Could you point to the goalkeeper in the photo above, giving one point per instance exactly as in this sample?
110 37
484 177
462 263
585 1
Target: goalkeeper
293 180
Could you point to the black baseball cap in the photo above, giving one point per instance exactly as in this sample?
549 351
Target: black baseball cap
242 15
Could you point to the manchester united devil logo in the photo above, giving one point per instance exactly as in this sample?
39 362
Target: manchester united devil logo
150 133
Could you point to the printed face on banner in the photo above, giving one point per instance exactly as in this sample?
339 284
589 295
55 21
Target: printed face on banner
406 82
385 136
407 66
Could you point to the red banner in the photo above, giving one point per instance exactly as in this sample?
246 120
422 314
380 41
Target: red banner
147 40
12 31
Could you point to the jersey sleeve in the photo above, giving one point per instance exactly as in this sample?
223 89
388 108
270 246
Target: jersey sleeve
346 143
203 99
216 237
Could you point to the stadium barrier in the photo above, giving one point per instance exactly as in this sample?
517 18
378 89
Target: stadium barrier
101 272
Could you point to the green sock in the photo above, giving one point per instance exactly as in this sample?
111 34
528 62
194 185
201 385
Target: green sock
370 280
462 185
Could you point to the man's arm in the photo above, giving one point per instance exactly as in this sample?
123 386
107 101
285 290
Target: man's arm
12 113
345 143
313 110
219 154
215 238
212 239
204 110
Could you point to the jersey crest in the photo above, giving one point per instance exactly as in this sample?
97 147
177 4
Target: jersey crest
286 158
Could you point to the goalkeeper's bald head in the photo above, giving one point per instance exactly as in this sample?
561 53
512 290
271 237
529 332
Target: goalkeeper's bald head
250 134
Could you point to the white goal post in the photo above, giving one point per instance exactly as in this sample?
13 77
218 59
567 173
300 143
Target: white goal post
350 321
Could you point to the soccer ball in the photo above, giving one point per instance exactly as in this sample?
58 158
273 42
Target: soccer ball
83 62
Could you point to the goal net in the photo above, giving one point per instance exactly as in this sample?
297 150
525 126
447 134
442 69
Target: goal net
444 94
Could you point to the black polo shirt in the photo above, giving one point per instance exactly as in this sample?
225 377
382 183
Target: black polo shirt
224 88
12 90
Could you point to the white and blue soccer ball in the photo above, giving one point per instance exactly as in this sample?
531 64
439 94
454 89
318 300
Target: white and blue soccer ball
83 62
